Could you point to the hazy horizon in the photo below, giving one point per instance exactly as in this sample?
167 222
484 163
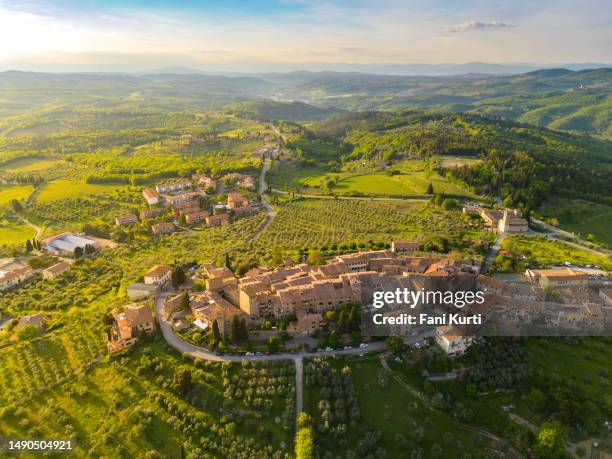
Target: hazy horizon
286 35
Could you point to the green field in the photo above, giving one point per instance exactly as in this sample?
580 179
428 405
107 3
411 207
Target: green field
410 184
28 165
19 192
546 252
581 217
12 233
66 189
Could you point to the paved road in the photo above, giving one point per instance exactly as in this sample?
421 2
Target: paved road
270 212
492 253
559 232
349 198
299 385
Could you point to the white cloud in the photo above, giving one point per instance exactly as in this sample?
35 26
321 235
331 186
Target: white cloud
467 26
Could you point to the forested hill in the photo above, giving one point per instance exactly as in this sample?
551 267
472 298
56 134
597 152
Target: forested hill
561 99
520 162
577 101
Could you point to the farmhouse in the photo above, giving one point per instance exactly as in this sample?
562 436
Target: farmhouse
162 228
134 319
125 220
237 200
158 275
55 270
512 222
217 220
150 196
65 243
451 342
173 187
13 272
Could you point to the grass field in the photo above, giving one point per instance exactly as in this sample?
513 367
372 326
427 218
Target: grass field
19 192
582 217
412 180
28 165
408 184
546 252
65 189
12 233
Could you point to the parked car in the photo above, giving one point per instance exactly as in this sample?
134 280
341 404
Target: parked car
363 345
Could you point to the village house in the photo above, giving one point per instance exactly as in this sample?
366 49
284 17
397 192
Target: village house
246 181
197 216
140 290
147 214
150 196
55 270
183 207
217 220
173 187
125 220
204 181
451 342
404 246
13 273
162 228
158 275
219 278
491 218
512 222
183 197
134 319
211 306
556 277
237 200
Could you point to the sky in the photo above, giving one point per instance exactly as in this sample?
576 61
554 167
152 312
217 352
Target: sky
260 35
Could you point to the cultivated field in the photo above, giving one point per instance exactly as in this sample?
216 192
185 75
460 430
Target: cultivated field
19 192
28 165
66 189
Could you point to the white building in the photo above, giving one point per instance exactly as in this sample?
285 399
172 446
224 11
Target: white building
451 342
157 275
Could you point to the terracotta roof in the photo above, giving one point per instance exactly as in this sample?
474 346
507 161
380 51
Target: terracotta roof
157 271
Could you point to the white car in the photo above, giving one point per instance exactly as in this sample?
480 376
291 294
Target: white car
363 345
328 349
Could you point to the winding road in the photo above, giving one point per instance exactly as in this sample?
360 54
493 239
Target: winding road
197 352
270 212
